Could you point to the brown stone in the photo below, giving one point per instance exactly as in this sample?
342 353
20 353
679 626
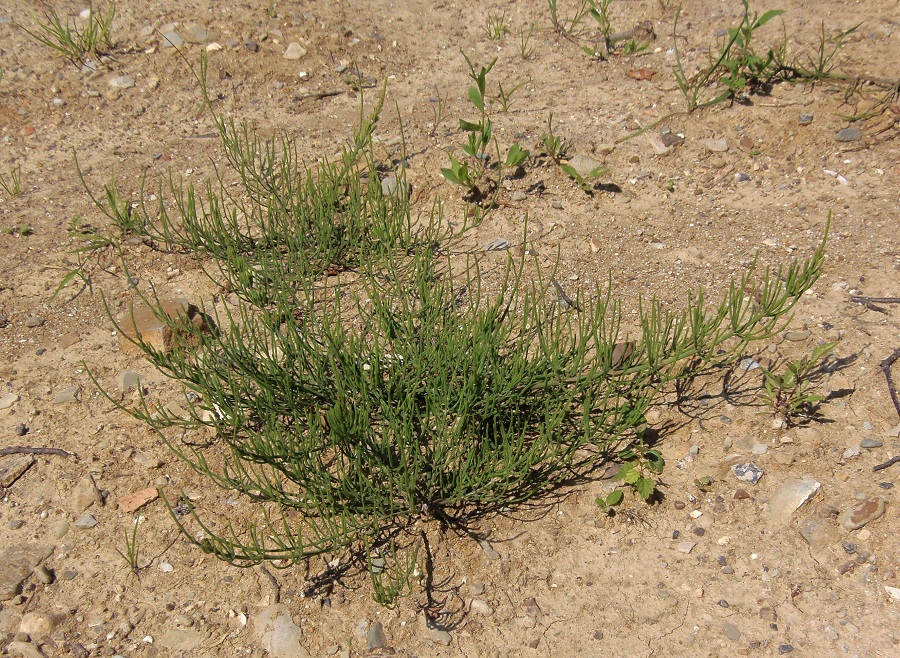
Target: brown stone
857 516
141 320
134 501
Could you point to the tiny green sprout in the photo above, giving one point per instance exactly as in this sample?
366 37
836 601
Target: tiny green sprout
584 182
614 498
495 26
632 47
516 156
789 394
640 469
704 483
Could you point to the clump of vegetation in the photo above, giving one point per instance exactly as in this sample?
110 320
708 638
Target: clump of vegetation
790 394
11 184
78 39
363 411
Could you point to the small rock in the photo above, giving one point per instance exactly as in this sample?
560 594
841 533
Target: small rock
8 400
859 515
785 648
197 34
893 591
34 321
134 501
44 574
251 45
438 636
741 177
129 380
851 452
144 460
479 607
790 496
731 631
278 633
557 204
11 469
122 82
869 444
768 614
59 530
171 40
715 145
19 561
686 546
86 521
519 195
805 119
179 640
154 331
390 186
24 649
748 364
68 395
849 135
747 472
294 51
784 458
595 245
819 534
375 636
500 244
38 623
488 550
166 567
797 336
85 494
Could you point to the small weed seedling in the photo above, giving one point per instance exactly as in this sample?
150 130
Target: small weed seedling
72 42
495 26
525 49
640 470
131 553
555 146
585 182
566 27
789 394
504 97
12 184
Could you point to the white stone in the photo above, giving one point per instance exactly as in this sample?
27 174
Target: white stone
277 632
294 51
790 496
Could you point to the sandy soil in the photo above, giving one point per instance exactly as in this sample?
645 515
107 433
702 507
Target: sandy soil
700 573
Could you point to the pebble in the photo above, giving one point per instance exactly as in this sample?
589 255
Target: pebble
375 636
489 550
86 521
390 186
44 574
34 321
134 501
747 472
796 336
741 177
731 631
8 400
500 244
19 561
859 515
21 429
818 533
785 648
748 364
557 204
166 567
519 195
147 461
38 623
686 546
893 591
716 145
129 380
479 607
277 632
122 82
849 135
251 45
438 636
294 51
171 40
68 395
59 530
790 496
851 452
197 34
805 119
24 649
869 444
768 614
85 494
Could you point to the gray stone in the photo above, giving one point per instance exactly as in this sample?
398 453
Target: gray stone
716 145
859 515
21 429
438 636
489 550
747 472
11 469
68 395
144 460
851 452
59 530
479 607
519 195
122 82
584 165
85 494
500 244
390 186
731 631
294 51
686 546
277 632
130 380
24 649
849 135
44 574
198 34
805 119
34 321
171 40
86 521
741 177
790 496
19 561
869 443
797 336
375 636
818 533
8 400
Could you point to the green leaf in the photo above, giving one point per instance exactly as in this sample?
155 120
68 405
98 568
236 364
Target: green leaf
615 498
631 476
470 127
769 15
516 156
645 487
476 97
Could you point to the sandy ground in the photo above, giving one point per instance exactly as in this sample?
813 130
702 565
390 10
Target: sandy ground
714 573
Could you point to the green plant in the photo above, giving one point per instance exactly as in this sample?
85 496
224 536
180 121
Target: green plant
640 470
495 25
71 41
789 393
12 184
555 146
563 27
820 65
525 49
504 97
23 229
632 47
599 11
363 412
585 182
736 65
704 483
438 106
131 552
